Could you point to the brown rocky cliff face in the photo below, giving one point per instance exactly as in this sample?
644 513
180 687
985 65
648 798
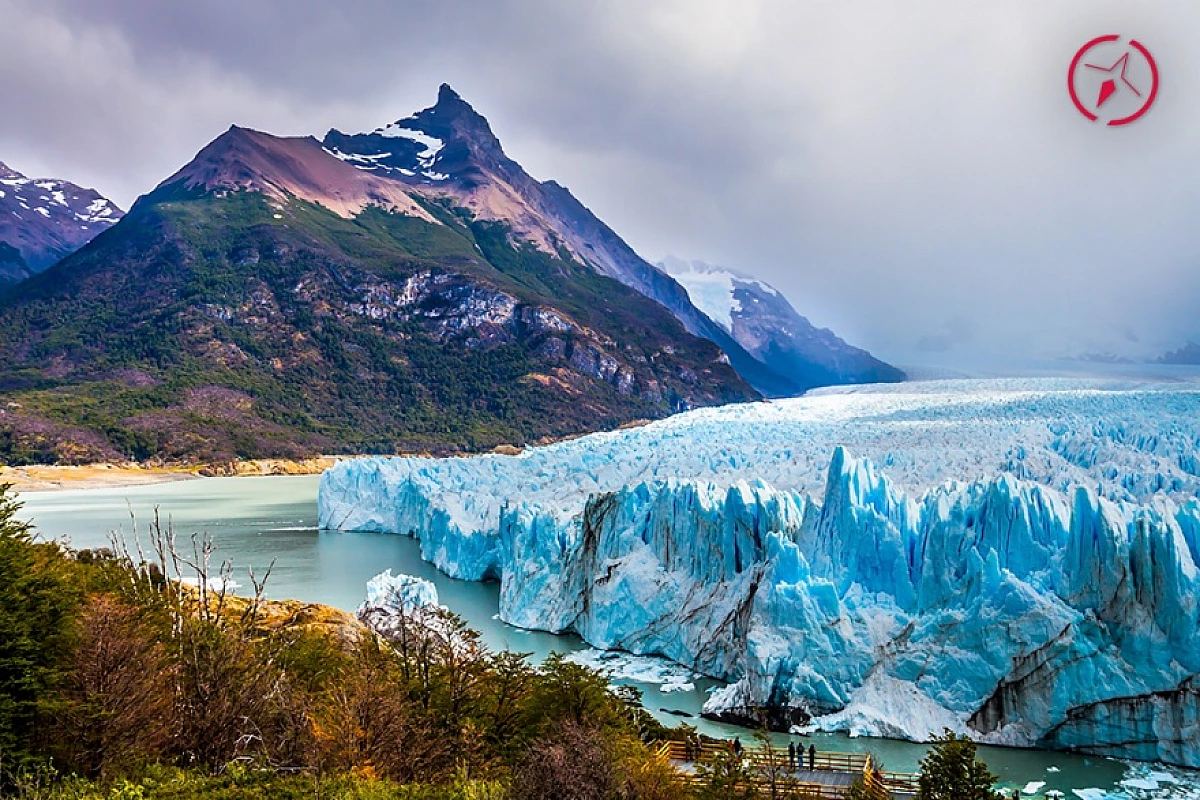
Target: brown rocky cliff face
242 159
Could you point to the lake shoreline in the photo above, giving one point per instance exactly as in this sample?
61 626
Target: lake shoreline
116 474
36 478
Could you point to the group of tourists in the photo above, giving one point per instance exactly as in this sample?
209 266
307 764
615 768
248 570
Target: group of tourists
796 757
694 750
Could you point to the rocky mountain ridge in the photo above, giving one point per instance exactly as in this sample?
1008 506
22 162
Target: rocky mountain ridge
449 154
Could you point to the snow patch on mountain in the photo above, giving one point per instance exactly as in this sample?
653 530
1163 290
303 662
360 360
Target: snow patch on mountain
375 158
712 291
761 320
46 197
402 129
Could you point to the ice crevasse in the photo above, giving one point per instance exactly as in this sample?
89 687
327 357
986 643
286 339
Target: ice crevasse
1015 560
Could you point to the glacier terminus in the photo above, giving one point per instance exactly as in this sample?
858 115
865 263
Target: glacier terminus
1012 558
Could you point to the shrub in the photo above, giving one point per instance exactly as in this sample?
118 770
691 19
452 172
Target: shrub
569 762
369 721
116 702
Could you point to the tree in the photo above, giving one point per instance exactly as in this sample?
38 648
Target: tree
569 692
505 702
772 769
37 600
865 788
951 771
369 720
725 777
653 778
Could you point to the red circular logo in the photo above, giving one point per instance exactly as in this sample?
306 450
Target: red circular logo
1113 81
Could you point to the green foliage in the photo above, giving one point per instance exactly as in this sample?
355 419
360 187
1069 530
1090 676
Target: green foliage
312 660
569 692
951 771
239 783
37 599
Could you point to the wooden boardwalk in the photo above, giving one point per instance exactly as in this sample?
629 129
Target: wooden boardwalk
829 779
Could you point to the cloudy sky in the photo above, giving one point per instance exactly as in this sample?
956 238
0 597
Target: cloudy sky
913 175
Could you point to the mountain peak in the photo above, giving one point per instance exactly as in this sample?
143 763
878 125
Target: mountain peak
446 94
448 140
760 318
453 115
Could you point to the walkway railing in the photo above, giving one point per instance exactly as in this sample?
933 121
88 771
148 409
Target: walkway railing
762 760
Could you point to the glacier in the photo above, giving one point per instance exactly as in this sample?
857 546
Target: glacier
1015 558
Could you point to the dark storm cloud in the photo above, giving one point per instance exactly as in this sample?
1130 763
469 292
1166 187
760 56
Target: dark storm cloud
901 171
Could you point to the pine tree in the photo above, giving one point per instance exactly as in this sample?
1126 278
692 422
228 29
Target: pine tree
951 771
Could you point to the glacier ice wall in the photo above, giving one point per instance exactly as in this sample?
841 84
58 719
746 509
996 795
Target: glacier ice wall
1021 564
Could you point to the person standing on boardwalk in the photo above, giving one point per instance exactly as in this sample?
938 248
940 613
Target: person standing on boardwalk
791 755
737 746
812 757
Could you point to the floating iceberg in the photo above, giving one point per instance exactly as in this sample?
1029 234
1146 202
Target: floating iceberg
400 593
1016 559
404 610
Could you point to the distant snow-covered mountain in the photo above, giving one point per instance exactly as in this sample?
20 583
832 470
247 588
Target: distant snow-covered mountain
1188 354
761 320
44 219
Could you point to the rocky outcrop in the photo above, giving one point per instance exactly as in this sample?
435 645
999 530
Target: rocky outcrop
281 168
